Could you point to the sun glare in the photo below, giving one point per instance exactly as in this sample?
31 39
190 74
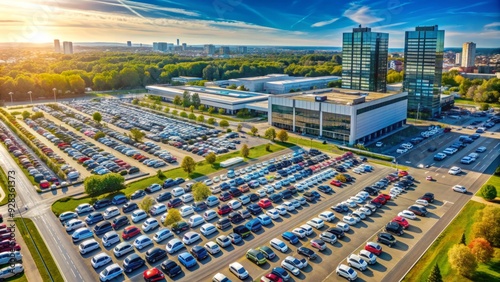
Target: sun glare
40 37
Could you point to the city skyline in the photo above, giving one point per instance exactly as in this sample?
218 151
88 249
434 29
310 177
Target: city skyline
223 22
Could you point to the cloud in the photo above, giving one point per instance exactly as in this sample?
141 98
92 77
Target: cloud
10 21
492 26
323 23
390 25
361 15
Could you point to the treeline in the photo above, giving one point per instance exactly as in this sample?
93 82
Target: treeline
479 90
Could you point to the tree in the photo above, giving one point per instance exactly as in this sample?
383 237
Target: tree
211 121
245 151
462 240
167 110
200 118
221 111
211 158
270 133
240 126
482 250
340 177
135 102
146 203
224 123
254 130
211 110
188 164
489 192
462 260
484 107
175 112
173 216
487 225
99 134
201 108
177 100
435 275
26 114
96 185
282 135
137 134
186 99
192 116
232 86
191 109
183 114
195 100
200 191
97 117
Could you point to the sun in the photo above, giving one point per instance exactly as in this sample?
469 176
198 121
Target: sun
40 37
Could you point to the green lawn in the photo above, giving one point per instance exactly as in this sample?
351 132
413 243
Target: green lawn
32 238
202 169
471 102
3 185
495 181
452 235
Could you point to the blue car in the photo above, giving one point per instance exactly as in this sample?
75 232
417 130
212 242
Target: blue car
230 173
264 219
290 237
187 259
254 225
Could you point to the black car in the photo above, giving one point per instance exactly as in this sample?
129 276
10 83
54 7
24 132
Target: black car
429 197
155 254
310 254
309 197
316 194
132 262
199 206
164 196
119 222
386 238
275 197
168 183
234 192
336 231
281 273
102 227
180 227
199 252
101 203
395 228
325 189
235 217
340 169
253 197
223 223
171 268
370 190
175 202
418 210
137 194
130 206
241 230
348 178
133 170
286 194
254 209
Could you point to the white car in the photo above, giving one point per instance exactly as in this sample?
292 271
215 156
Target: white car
279 245
281 209
138 215
186 198
208 182
299 263
363 195
157 209
407 214
357 262
11 270
369 257
162 234
358 200
234 204
142 241
346 272
207 229
288 206
237 269
178 191
150 224
111 212
186 210
290 267
358 214
316 223
212 247
215 189
379 144
174 245
344 226
459 188
110 272
83 208
209 215
244 199
100 260
273 214
261 193
327 216
366 211
422 202
190 237
110 238
350 203
349 220
268 189
216 179
122 249
307 228
455 170
299 232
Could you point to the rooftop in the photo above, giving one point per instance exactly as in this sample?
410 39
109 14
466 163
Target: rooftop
342 96
306 79
261 77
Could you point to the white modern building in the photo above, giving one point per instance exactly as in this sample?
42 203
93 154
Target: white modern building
469 54
256 83
298 84
186 79
349 116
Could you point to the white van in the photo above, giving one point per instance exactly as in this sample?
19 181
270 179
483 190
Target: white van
196 220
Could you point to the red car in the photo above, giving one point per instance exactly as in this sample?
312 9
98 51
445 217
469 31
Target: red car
265 203
130 231
273 277
373 248
8 245
446 129
336 183
44 184
244 188
224 209
153 274
401 221
402 173
225 196
380 200
386 196
82 159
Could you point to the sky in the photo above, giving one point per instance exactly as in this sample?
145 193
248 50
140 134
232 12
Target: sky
244 22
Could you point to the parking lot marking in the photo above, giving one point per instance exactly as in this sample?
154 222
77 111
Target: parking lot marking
496 145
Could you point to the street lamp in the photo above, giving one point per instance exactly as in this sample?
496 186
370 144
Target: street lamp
11 101
418 110
31 99
54 89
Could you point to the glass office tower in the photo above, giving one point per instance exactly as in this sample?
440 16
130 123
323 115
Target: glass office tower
423 70
364 60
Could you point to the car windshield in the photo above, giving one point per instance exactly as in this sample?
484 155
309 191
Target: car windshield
350 270
188 258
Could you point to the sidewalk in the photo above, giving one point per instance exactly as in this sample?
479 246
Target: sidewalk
478 199
30 269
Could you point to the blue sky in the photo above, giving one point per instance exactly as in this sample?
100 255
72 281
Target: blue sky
256 22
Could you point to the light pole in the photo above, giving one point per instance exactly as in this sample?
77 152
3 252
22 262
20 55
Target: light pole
418 110
11 101
54 89
31 99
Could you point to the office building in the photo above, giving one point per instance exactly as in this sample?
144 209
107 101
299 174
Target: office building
349 116
396 65
297 84
209 49
256 83
57 46
155 46
68 47
364 60
458 59
242 49
224 50
423 70
177 41
184 46
129 43
162 46
468 54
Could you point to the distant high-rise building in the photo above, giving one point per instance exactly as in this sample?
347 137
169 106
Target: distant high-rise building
57 46
364 60
177 41
468 54
140 44
458 58
163 46
423 70
224 50
129 43
184 46
209 49
68 47
242 49
155 46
